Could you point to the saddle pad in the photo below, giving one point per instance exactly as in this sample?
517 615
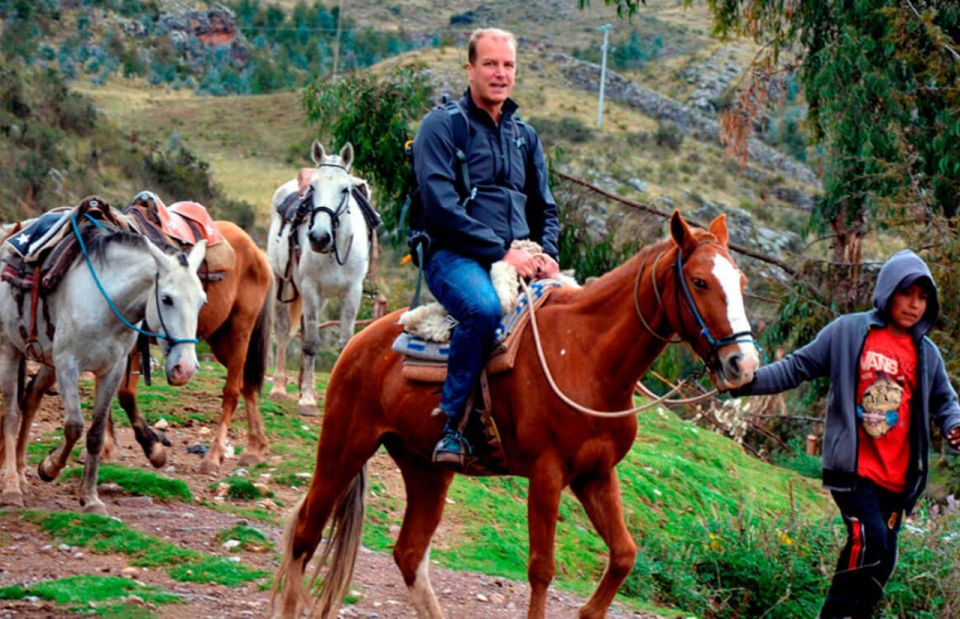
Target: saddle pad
434 370
419 348
196 213
38 233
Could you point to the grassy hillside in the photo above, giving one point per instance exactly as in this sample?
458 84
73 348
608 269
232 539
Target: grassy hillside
720 533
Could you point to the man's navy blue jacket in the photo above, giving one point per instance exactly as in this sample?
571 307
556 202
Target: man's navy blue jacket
508 171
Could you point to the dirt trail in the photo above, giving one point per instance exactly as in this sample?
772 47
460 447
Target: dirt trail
28 555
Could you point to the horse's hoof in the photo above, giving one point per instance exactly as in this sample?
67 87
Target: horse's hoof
279 395
42 472
308 410
11 499
209 467
96 507
158 455
249 459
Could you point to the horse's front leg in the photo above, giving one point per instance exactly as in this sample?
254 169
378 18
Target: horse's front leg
348 312
68 375
12 494
107 385
600 496
282 324
154 447
313 305
543 502
29 402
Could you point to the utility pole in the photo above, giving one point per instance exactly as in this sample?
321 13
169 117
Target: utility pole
605 29
336 43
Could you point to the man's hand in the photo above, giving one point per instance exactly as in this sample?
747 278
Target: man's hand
522 261
546 266
954 437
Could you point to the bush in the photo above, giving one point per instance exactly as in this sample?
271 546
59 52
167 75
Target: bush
669 136
565 129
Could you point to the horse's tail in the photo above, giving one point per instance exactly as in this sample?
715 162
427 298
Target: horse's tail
258 349
339 551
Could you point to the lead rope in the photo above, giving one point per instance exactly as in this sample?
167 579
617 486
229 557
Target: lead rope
563 397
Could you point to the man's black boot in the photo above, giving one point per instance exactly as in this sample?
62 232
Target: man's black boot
452 449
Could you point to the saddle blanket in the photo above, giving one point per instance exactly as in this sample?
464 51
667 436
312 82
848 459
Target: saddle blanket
419 348
37 234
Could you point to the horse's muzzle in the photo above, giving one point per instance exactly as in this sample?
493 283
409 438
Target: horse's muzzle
320 242
736 368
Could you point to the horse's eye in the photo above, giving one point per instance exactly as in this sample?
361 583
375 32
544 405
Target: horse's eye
699 283
167 300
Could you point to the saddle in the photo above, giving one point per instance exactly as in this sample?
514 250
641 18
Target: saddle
43 250
426 361
181 226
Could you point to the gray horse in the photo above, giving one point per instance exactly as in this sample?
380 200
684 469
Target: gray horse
122 278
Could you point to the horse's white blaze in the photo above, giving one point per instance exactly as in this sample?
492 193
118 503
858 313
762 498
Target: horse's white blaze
421 592
729 278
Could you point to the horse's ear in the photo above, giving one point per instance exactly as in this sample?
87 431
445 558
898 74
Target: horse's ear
680 231
318 153
346 155
164 262
718 228
197 253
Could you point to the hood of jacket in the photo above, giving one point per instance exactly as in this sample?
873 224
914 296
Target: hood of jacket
901 270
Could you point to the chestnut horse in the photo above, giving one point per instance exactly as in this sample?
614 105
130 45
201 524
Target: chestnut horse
236 322
603 338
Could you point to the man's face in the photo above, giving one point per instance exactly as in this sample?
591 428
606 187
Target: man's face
908 306
493 71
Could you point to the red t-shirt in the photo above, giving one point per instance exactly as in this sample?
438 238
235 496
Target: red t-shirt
888 376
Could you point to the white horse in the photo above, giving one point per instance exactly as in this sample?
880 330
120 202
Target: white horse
141 282
330 259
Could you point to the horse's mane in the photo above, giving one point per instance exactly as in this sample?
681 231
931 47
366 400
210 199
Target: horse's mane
98 243
645 254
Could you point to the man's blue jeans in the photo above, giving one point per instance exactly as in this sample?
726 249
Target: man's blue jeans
462 285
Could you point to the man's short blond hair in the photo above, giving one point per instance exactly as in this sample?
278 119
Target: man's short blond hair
479 33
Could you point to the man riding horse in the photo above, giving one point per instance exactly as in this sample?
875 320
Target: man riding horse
471 228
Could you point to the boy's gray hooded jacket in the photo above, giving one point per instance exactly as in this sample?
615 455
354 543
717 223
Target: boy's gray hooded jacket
836 353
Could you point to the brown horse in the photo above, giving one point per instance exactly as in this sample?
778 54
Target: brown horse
236 322
598 348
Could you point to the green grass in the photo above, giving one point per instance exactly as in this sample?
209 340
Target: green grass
137 481
86 593
218 570
110 536
250 539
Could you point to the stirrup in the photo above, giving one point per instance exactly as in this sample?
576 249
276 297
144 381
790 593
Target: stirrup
451 450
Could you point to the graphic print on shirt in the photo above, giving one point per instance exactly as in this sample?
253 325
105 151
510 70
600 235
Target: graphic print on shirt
880 406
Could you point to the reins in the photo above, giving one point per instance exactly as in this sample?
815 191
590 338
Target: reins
560 394
173 341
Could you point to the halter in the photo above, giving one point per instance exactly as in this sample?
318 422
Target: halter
342 209
715 343
172 341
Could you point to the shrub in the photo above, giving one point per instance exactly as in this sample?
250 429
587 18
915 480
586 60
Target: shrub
669 136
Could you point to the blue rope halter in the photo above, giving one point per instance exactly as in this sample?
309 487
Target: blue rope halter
173 341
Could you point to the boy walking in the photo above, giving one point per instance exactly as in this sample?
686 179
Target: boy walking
887 381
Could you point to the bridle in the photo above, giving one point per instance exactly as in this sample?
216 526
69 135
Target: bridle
335 214
165 335
685 300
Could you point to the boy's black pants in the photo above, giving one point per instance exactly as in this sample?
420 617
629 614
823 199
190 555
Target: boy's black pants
872 515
